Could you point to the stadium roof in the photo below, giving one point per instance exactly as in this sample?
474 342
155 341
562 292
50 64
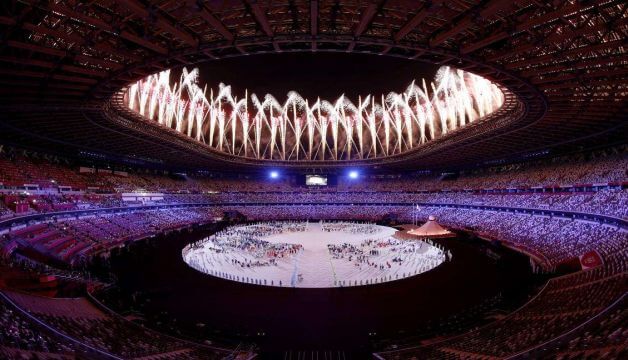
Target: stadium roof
563 62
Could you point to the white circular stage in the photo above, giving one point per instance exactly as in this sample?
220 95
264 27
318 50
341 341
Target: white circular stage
312 255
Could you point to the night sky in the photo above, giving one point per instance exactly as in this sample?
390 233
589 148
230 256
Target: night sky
327 75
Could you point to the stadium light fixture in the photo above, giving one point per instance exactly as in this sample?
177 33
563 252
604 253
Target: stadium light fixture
274 174
353 174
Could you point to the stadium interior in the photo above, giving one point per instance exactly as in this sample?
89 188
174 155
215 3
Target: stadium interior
313 179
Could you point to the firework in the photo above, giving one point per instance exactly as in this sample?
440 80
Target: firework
296 130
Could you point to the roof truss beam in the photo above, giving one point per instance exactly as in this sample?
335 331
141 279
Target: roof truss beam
62 53
212 20
562 54
260 17
314 17
367 17
417 19
146 14
49 65
486 12
100 24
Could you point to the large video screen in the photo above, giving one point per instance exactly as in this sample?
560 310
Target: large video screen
315 180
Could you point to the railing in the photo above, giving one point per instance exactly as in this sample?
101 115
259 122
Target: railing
20 220
114 314
431 345
538 350
90 350
604 219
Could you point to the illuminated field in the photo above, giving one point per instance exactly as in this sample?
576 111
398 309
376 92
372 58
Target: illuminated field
311 255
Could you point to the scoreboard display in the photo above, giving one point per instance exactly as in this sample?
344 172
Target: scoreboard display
315 180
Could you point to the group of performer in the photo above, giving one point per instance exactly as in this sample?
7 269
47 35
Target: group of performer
350 227
246 240
384 252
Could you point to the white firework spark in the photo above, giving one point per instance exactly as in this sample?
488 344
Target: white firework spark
324 130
